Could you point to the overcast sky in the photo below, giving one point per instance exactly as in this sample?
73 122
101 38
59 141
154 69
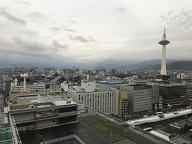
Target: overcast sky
85 31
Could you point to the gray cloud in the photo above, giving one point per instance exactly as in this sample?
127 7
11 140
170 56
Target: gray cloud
29 45
12 17
91 39
69 30
36 56
73 22
24 2
121 10
30 33
78 38
81 38
55 28
57 45
8 48
36 16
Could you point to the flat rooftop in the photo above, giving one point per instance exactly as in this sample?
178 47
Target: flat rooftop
42 105
156 118
79 89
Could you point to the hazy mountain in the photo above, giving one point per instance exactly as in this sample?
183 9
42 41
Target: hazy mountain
127 64
110 63
178 65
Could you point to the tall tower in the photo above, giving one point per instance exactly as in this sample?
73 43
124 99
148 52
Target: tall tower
163 42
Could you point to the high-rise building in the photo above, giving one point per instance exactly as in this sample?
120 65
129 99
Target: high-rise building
174 95
139 99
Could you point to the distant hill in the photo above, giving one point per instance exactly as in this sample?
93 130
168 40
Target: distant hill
172 64
129 64
179 65
110 63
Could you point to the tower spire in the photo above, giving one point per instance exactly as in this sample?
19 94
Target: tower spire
164 33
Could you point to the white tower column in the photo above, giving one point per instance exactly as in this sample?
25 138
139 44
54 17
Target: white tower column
163 61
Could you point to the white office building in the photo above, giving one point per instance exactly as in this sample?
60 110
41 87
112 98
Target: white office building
103 100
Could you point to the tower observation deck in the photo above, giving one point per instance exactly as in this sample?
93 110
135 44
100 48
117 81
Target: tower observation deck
163 42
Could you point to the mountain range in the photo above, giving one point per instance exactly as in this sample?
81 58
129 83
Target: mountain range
172 64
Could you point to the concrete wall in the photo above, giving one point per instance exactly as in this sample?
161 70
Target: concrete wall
23 117
44 124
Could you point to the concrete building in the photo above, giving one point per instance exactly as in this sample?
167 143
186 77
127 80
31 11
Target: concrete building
156 98
22 98
24 94
111 83
44 115
29 88
189 93
55 88
49 97
139 100
123 104
89 86
97 99
174 95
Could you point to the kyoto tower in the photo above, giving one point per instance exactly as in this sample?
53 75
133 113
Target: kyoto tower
163 42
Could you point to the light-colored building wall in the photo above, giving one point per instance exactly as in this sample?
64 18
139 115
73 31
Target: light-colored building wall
23 98
88 86
105 101
140 99
29 88
23 117
45 124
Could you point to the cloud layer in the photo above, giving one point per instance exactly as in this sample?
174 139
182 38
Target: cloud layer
90 31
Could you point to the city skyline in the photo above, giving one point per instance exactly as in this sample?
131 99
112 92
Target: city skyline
60 31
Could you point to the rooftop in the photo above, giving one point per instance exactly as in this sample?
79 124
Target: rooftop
97 89
41 105
156 118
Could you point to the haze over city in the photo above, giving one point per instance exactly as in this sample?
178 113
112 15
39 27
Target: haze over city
87 31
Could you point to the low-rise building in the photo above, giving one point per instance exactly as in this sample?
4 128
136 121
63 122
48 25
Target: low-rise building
103 100
29 88
55 88
23 97
44 115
